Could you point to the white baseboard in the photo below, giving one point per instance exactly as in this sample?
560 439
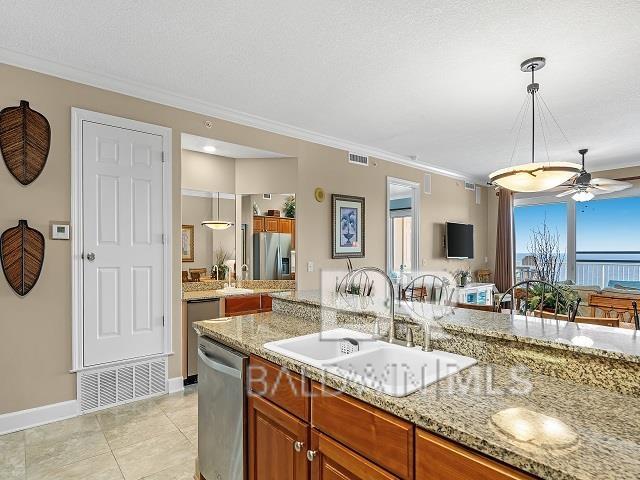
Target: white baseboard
33 417
175 384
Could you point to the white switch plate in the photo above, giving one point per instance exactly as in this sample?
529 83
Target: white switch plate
309 266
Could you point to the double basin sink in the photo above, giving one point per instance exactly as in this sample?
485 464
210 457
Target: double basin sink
388 368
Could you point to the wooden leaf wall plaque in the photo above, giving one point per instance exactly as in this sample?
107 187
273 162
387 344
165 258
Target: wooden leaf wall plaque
22 256
25 138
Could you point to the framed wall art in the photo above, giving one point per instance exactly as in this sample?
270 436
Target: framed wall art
186 242
347 226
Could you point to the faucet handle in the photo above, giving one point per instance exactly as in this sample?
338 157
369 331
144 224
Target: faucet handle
410 343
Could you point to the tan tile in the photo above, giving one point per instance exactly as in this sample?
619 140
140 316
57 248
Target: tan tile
44 456
154 455
59 431
101 467
184 417
175 401
183 471
138 430
191 432
124 414
12 457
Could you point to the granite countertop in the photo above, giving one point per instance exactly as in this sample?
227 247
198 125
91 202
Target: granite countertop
607 424
609 342
211 294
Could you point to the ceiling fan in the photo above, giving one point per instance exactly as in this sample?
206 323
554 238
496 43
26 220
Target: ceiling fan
584 188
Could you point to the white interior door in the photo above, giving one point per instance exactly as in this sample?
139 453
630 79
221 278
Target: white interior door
122 243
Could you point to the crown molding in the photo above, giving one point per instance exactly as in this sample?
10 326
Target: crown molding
190 104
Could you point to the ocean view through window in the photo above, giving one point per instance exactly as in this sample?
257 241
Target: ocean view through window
607 250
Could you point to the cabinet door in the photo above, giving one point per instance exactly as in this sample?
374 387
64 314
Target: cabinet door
293 234
273 451
241 305
333 461
284 225
258 224
271 224
440 459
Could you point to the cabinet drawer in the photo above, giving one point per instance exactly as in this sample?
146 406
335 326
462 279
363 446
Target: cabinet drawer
288 390
271 224
377 435
440 459
335 462
241 305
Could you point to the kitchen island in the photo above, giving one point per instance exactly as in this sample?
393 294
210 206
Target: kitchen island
603 420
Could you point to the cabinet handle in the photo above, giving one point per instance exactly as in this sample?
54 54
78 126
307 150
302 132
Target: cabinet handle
311 454
297 446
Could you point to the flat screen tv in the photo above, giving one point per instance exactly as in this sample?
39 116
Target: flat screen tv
459 240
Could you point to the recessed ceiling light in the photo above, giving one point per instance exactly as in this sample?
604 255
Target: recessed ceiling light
209 148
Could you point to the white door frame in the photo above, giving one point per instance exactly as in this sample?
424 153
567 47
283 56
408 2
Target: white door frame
415 220
79 115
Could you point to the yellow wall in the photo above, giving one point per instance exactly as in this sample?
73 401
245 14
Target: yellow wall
35 331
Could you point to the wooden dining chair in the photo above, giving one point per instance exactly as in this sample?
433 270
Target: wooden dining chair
523 300
623 309
427 288
185 276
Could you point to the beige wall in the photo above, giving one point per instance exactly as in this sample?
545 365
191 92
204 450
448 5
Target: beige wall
266 175
35 331
208 173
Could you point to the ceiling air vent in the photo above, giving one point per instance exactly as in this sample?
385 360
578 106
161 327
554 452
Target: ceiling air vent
469 186
359 159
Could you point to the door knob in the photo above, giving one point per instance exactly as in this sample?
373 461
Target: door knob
311 454
297 446
91 256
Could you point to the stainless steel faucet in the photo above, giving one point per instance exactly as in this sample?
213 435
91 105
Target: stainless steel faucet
392 307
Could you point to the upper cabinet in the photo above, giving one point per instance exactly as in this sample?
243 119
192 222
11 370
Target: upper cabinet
274 224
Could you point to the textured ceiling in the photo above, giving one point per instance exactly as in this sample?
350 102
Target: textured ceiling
438 80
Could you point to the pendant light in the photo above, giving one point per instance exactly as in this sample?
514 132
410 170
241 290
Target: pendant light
534 177
217 224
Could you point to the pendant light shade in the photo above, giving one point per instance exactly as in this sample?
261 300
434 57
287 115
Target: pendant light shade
534 177
217 224
541 176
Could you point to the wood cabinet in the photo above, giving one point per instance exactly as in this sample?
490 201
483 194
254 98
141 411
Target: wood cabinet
304 430
440 459
271 224
288 390
258 224
379 436
278 443
332 461
246 304
284 225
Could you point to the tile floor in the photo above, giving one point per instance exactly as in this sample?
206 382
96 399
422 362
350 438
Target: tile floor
153 439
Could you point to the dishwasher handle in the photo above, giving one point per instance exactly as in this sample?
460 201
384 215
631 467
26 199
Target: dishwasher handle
219 367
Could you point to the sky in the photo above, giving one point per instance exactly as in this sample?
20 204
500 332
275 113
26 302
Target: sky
610 224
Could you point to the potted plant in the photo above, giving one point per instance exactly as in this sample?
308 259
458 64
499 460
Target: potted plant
462 276
289 207
220 256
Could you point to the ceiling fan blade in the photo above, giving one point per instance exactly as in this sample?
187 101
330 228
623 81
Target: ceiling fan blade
609 185
568 192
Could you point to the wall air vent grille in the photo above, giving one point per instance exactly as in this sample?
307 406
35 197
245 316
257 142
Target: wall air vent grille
108 386
469 186
427 183
359 159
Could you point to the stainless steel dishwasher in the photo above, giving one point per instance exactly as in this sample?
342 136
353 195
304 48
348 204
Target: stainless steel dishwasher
222 409
201 309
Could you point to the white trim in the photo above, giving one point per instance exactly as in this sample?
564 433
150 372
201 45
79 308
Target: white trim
416 199
203 193
175 384
33 417
164 97
77 117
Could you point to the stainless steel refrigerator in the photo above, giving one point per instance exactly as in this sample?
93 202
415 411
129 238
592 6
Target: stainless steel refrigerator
271 256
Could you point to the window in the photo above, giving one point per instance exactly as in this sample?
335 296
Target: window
607 244
529 222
